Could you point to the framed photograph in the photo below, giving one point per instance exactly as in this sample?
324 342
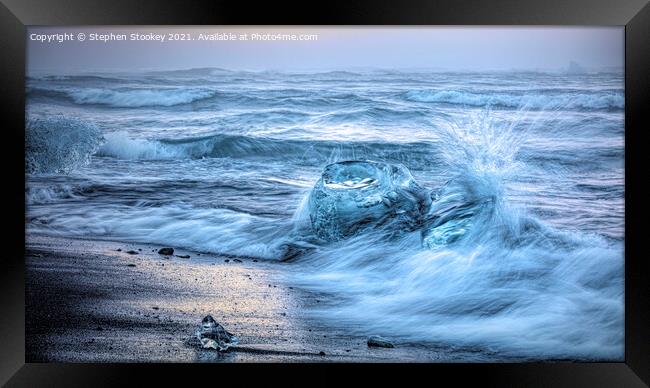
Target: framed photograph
446 188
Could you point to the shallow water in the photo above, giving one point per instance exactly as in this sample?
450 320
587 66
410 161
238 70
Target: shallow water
224 162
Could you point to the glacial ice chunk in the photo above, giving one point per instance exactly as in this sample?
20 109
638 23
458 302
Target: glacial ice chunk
59 144
352 196
455 209
213 336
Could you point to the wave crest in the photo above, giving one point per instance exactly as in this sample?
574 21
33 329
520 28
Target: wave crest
136 98
609 100
120 145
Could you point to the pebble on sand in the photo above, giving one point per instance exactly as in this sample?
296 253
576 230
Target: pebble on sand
380 342
166 251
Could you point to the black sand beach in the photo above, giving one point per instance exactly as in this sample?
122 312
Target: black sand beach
88 302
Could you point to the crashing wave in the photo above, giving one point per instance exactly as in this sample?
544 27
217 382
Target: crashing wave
59 144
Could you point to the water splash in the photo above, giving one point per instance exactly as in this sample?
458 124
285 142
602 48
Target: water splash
510 288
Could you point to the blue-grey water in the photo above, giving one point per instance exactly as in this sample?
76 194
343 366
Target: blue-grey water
224 161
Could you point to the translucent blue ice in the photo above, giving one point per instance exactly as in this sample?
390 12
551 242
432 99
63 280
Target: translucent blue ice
455 209
353 196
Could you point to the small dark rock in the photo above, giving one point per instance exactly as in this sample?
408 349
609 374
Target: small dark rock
166 251
140 249
183 256
254 260
226 261
130 265
321 353
132 252
377 341
155 307
119 249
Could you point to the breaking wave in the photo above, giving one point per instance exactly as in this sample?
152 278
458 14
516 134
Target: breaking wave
122 146
511 287
579 101
130 98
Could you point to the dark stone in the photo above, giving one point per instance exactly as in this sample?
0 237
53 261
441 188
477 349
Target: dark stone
321 353
130 265
380 342
119 249
183 256
166 251
226 261
132 252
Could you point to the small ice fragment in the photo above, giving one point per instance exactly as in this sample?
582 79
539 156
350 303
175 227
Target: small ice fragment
213 336
456 208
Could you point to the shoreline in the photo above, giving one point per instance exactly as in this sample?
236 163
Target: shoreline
88 302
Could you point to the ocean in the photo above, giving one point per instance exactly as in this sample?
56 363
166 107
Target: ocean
224 162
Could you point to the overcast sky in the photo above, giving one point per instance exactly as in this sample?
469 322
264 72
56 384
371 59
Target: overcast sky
442 48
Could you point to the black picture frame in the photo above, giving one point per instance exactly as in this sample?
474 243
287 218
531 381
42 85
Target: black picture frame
15 15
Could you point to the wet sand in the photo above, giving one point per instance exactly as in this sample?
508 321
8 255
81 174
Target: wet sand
88 302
